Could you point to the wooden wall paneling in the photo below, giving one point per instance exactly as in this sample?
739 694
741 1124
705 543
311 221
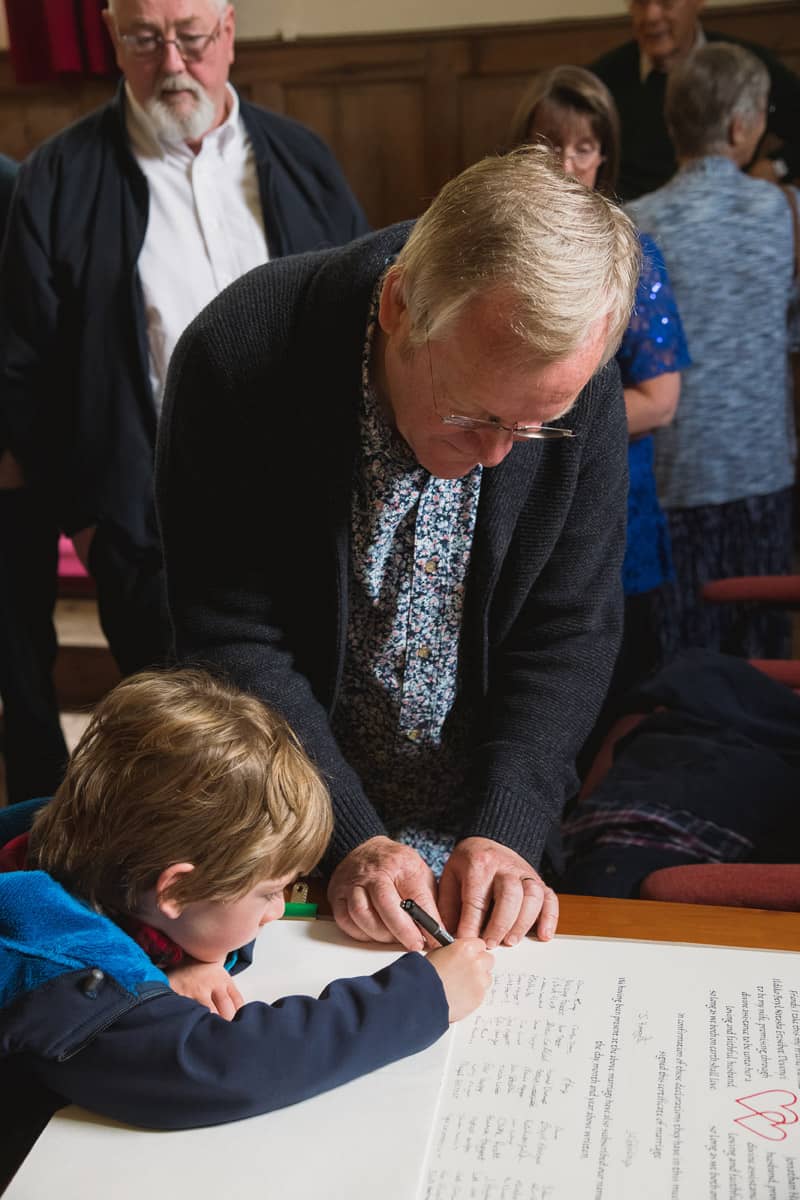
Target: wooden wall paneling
266 92
332 60
366 98
487 106
29 117
376 130
775 26
314 105
381 138
447 60
402 112
522 52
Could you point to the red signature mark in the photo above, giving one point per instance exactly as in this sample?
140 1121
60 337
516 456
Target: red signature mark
769 1113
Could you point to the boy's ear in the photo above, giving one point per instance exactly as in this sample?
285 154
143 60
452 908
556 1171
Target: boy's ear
168 878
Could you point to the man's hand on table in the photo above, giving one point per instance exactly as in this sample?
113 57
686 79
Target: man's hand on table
482 875
366 889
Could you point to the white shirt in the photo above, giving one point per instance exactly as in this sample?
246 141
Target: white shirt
205 226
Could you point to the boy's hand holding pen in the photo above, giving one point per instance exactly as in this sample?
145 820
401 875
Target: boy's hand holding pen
464 966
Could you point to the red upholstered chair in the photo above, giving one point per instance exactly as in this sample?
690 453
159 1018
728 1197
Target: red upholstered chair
740 885
774 591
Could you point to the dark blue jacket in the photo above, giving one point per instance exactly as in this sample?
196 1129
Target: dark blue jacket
75 398
97 1023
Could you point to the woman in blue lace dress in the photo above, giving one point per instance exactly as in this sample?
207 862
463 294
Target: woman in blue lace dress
573 111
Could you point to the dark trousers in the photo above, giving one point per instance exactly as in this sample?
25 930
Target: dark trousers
131 601
33 745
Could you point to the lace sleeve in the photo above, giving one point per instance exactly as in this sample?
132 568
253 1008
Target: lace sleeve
654 342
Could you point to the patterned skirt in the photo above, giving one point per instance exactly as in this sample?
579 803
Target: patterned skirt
753 536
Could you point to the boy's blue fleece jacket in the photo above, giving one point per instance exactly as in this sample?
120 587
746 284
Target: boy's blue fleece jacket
97 1022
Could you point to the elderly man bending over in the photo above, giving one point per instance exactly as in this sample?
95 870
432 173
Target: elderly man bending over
409 456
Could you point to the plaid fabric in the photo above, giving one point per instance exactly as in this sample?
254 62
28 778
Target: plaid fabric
658 827
160 949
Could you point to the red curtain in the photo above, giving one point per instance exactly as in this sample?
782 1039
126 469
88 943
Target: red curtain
51 38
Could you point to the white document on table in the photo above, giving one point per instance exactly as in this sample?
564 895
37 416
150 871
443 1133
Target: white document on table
597 1069
601 1070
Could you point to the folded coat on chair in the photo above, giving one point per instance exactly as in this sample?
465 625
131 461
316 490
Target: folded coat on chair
714 777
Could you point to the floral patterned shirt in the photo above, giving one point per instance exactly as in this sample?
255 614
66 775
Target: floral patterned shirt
402 719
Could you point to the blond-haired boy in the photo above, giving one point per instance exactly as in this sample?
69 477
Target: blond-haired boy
186 809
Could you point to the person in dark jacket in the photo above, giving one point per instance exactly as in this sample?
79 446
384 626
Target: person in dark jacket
186 808
412 467
710 775
33 745
665 32
123 226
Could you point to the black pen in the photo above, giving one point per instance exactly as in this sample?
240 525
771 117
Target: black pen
426 922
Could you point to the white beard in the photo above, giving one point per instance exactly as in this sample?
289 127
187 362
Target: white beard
188 126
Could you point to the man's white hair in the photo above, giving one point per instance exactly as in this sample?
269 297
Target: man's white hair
219 5
568 257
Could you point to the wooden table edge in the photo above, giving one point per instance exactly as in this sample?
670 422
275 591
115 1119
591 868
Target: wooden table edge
657 921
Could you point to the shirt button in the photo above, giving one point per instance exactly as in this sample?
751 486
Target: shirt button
413 735
424 652
430 566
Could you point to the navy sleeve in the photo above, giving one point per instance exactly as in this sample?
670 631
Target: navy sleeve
8 175
29 315
171 1064
344 211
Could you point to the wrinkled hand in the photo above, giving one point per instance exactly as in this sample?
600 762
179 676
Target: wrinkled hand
209 984
465 970
482 875
366 889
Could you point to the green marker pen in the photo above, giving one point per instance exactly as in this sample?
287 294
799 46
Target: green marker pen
299 906
294 911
